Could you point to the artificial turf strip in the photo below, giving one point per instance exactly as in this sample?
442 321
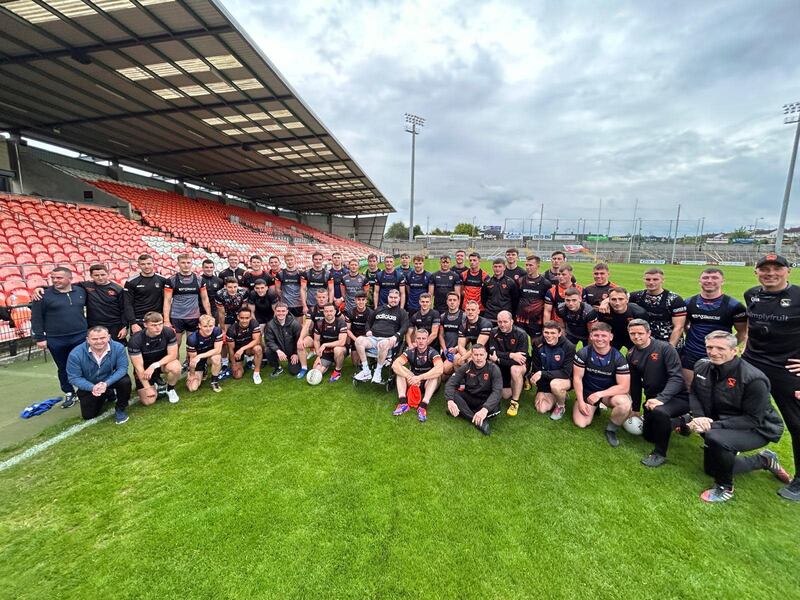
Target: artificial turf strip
288 491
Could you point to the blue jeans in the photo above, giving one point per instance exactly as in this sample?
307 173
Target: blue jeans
59 348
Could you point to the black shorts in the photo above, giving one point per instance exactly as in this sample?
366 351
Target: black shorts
201 365
532 329
506 373
154 378
236 348
543 387
181 325
296 311
688 359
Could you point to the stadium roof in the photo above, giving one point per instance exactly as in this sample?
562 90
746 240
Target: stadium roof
174 87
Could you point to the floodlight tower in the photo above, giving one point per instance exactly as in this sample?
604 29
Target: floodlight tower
791 115
413 124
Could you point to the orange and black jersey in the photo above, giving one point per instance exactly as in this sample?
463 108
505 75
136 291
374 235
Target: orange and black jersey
472 283
517 273
420 362
531 299
555 296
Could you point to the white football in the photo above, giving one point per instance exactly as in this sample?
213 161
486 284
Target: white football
634 425
314 377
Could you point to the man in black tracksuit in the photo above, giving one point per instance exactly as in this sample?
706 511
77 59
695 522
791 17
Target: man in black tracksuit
475 389
499 292
731 409
773 346
656 369
281 336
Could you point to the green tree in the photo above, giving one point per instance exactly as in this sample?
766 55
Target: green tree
739 234
466 229
397 231
417 230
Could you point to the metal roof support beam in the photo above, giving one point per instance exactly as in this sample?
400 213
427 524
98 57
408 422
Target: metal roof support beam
131 43
300 138
161 112
303 182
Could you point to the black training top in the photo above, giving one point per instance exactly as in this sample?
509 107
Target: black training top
241 336
153 348
656 370
773 326
105 304
471 331
145 294
660 310
619 324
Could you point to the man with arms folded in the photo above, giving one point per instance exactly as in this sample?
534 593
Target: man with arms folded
666 311
731 409
290 285
330 342
99 371
508 349
773 346
532 290
352 284
656 368
474 330
620 313
282 334
708 311
472 281
418 281
499 292
420 365
144 293
577 316
451 322
475 390
204 346
601 375
443 282
552 357
386 328
244 339
387 280
154 350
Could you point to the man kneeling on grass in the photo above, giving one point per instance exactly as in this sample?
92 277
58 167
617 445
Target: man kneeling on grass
422 373
553 356
601 376
154 350
99 370
244 339
475 389
204 346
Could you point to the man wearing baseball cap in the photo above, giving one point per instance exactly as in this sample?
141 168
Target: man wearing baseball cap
773 346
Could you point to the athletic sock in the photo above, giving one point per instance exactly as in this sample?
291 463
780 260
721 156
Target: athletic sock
612 426
214 378
170 387
402 400
378 370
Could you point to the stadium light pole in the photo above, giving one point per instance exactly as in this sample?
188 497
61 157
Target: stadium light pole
597 235
675 239
792 115
412 123
633 229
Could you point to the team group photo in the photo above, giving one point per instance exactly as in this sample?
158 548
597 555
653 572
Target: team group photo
399 300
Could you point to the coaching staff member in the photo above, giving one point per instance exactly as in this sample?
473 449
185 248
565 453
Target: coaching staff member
656 369
773 346
729 399
475 389
99 369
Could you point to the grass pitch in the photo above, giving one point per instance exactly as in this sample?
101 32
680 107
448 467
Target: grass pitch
289 491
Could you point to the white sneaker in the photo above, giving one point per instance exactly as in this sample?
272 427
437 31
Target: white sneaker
257 378
363 375
376 378
172 396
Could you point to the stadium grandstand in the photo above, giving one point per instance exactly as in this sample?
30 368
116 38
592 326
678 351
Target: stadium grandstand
181 137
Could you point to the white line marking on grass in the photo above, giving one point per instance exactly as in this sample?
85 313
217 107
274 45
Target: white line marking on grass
38 448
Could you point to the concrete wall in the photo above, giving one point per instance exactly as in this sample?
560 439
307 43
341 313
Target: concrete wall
40 179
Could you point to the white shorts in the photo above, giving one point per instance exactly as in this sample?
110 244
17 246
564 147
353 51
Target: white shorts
372 349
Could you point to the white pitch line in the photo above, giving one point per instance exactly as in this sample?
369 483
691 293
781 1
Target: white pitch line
38 448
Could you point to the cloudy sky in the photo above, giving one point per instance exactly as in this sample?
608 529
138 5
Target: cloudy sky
557 103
